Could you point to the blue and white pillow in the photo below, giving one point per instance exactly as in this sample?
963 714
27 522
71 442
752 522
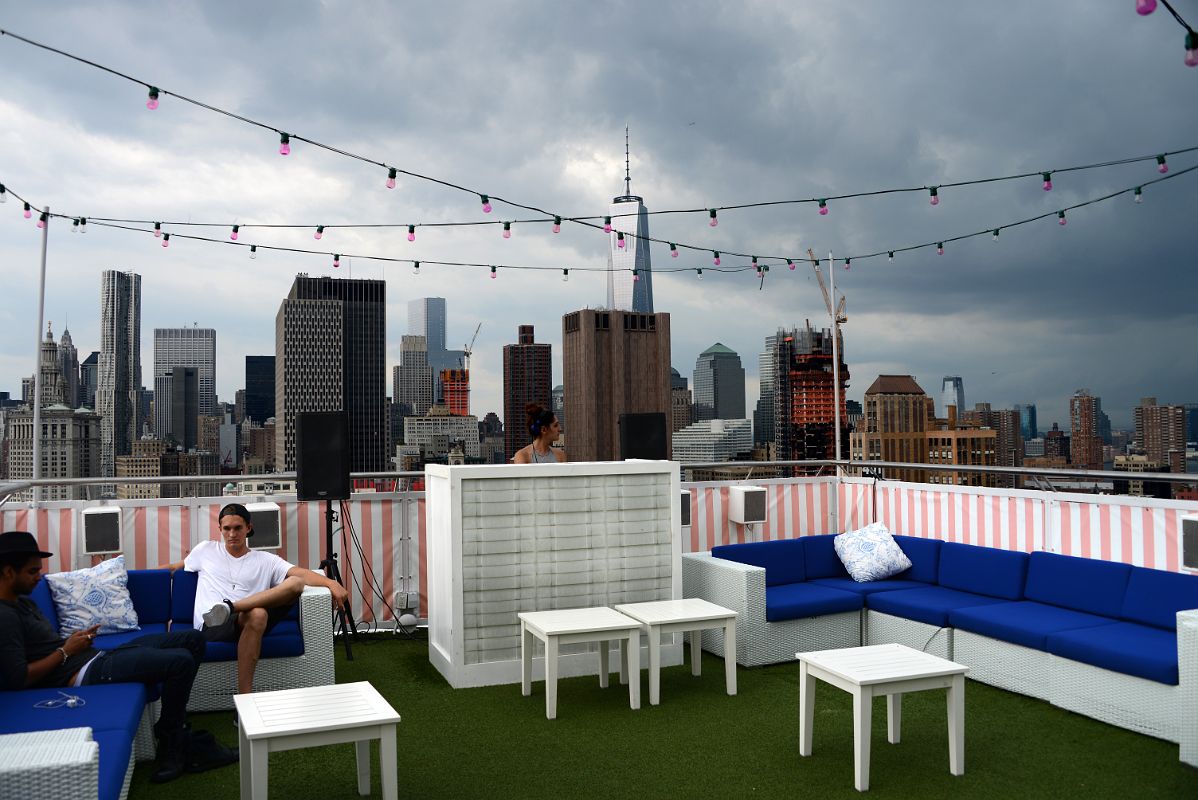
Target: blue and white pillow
97 595
871 553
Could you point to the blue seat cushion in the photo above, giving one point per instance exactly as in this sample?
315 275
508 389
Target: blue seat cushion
110 640
820 557
930 604
1025 622
284 641
924 555
1154 597
1082 584
1126 647
782 559
183 596
869 587
150 590
982 570
798 600
116 748
108 707
45 602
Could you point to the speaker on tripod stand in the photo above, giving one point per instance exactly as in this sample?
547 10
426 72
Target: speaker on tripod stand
322 473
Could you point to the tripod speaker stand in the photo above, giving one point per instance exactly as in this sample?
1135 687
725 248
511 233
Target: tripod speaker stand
345 617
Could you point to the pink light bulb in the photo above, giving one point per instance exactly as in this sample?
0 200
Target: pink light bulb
939 249
716 259
233 235
493 273
411 233
1192 58
620 241
1047 182
337 262
790 264
28 212
714 220
635 276
935 200
1161 166
391 183
507 234
319 232
507 230
1061 218
823 208
607 224
152 100
391 173
166 240
41 221
284 145
673 250
486 203
557 224
1145 7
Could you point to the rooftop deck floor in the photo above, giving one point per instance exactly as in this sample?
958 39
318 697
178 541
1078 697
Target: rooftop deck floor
492 742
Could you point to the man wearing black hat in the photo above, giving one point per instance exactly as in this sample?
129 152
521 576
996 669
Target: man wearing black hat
241 594
32 654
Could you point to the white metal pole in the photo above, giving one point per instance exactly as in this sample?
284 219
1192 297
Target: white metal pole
37 361
835 355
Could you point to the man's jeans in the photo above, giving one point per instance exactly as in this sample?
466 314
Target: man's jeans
167 658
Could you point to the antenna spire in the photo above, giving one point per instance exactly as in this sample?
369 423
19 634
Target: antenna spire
627 171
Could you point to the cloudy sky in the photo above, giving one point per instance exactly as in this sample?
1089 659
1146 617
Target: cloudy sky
728 103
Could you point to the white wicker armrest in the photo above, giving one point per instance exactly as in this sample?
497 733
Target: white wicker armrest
1187 674
731 584
64 768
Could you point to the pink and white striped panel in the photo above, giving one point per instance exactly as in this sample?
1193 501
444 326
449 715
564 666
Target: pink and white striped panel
1005 518
54 528
798 507
1146 533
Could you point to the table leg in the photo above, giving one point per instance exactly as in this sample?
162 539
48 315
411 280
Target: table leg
729 656
259 753
634 668
956 726
894 717
526 646
696 653
550 677
604 664
863 707
624 660
806 706
362 754
389 763
654 665
246 765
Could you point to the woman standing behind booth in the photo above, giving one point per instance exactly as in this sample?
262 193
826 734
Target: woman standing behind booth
544 429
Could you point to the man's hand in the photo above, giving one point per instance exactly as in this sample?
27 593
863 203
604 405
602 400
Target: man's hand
79 641
340 595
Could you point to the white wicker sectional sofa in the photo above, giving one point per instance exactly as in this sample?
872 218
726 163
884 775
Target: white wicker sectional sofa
1110 641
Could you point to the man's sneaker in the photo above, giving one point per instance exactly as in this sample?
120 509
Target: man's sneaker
218 615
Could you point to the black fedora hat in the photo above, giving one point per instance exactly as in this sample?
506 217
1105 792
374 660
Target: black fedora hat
20 543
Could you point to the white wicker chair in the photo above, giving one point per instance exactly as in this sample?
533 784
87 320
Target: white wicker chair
216 682
1187 669
48 765
741 588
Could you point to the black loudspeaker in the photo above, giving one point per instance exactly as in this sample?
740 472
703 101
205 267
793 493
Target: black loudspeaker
322 455
643 436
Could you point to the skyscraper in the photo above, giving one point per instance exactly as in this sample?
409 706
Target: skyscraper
680 402
952 393
527 378
719 385
182 347
184 404
455 389
1161 433
413 379
1027 421
1085 444
427 317
259 388
894 425
763 416
804 395
88 372
629 271
54 389
68 362
118 378
615 362
330 355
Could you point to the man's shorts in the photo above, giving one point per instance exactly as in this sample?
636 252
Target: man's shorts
228 631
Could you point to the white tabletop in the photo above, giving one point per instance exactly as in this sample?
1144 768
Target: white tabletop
689 609
312 709
880 663
577 620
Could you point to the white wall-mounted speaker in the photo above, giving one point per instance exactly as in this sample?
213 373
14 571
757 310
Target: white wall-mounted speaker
746 504
1189 543
685 507
267 532
101 531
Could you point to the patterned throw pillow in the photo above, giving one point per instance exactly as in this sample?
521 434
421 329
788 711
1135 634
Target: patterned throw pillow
871 554
97 595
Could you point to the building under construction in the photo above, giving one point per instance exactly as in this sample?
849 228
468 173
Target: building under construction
804 398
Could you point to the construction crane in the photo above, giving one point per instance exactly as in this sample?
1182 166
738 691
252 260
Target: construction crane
468 349
839 314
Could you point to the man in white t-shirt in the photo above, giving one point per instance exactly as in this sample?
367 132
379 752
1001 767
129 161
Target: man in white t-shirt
242 594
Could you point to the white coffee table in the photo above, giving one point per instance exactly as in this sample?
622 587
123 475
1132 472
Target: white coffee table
688 615
570 625
883 669
292 718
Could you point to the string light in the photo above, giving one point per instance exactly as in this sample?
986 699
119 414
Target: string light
337 261
493 273
253 251
157 230
939 248
935 195
41 220
83 224
890 256
486 203
715 257
714 220
416 268
1047 176
391 173
607 224
75 226
620 239
1061 218
565 275
233 235
848 262
152 99
790 264
673 250
319 232
699 274
1191 49
823 208
507 230
28 211
1161 166
3 194
1139 195
411 233
166 240
755 264
284 144
995 236
557 224
1145 7
635 275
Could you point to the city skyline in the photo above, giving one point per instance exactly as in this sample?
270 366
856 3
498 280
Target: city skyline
1027 319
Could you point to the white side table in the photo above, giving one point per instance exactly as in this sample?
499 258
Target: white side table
883 669
570 625
689 615
292 718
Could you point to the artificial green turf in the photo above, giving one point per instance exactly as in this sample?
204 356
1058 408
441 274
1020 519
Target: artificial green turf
492 742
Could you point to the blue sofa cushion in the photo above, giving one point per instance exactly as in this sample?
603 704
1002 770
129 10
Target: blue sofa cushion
1126 647
116 748
930 604
45 602
820 559
1026 622
1154 597
869 587
110 640
924 555
782 559
109 707
1082 584
284 641
151 593
798 600
982 570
